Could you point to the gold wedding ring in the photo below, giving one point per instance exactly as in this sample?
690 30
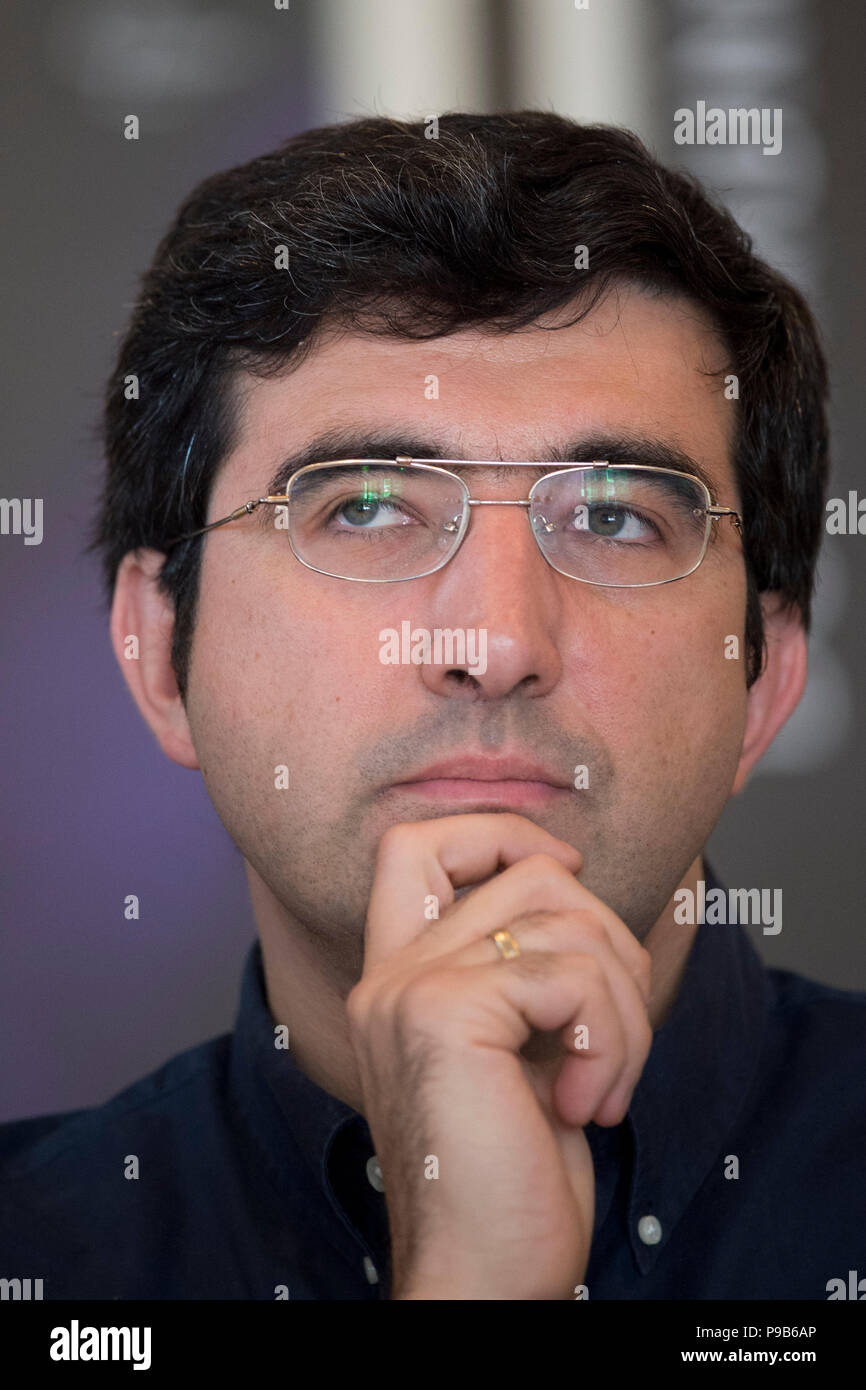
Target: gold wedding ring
505 944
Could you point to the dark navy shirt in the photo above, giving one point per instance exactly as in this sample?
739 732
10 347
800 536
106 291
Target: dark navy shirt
739 1171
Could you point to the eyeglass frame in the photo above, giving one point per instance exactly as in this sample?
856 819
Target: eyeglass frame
713 512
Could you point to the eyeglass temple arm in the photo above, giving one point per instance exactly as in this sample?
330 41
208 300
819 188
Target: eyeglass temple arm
232 516
715 512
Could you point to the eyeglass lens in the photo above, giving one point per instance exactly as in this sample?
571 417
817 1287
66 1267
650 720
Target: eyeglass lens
606 525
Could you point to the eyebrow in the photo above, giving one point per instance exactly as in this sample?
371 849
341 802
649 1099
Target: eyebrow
616 449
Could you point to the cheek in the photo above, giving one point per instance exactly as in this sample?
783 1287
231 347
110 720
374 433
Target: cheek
281 658
662 675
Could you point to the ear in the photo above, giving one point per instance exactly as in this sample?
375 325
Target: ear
777 691
142 624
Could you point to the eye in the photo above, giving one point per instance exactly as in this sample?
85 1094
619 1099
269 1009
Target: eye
368 513
614 522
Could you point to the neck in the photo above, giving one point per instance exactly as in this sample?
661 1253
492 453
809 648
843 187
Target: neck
309 994
670 943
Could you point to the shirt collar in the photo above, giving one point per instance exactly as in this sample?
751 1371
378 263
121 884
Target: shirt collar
283 1107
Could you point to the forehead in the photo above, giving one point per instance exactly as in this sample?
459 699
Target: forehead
636 365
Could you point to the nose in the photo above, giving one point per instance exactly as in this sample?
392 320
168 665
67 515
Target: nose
499 587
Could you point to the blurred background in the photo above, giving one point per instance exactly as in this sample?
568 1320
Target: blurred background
91 810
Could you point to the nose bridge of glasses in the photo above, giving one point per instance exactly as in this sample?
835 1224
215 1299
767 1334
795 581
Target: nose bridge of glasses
496 537
498 502
496 466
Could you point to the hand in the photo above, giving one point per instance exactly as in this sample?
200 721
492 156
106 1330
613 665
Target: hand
437 1022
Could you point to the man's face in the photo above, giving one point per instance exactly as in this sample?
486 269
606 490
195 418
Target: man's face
633 684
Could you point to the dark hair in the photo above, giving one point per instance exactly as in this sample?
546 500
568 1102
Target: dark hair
391 231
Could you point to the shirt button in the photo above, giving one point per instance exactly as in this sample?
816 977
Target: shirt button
370 1271
374 1174
649 1228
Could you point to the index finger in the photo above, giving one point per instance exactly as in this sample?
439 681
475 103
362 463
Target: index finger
422 863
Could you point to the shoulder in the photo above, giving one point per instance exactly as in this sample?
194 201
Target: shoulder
815 1056
92 1200
804 1007
157 1102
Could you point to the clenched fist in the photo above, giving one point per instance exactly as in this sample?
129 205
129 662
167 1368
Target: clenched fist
437 1022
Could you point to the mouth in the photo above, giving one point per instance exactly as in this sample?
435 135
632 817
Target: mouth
477 780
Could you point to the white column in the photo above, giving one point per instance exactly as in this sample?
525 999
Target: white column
403 58
593 64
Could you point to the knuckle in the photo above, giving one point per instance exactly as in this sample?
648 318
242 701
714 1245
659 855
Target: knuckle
535 919
535 965
542 874
646 1036
622 1055
591 968
422 1001
358 1003
584 920
397 840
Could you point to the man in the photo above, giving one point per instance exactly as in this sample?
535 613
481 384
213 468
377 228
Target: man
466 518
